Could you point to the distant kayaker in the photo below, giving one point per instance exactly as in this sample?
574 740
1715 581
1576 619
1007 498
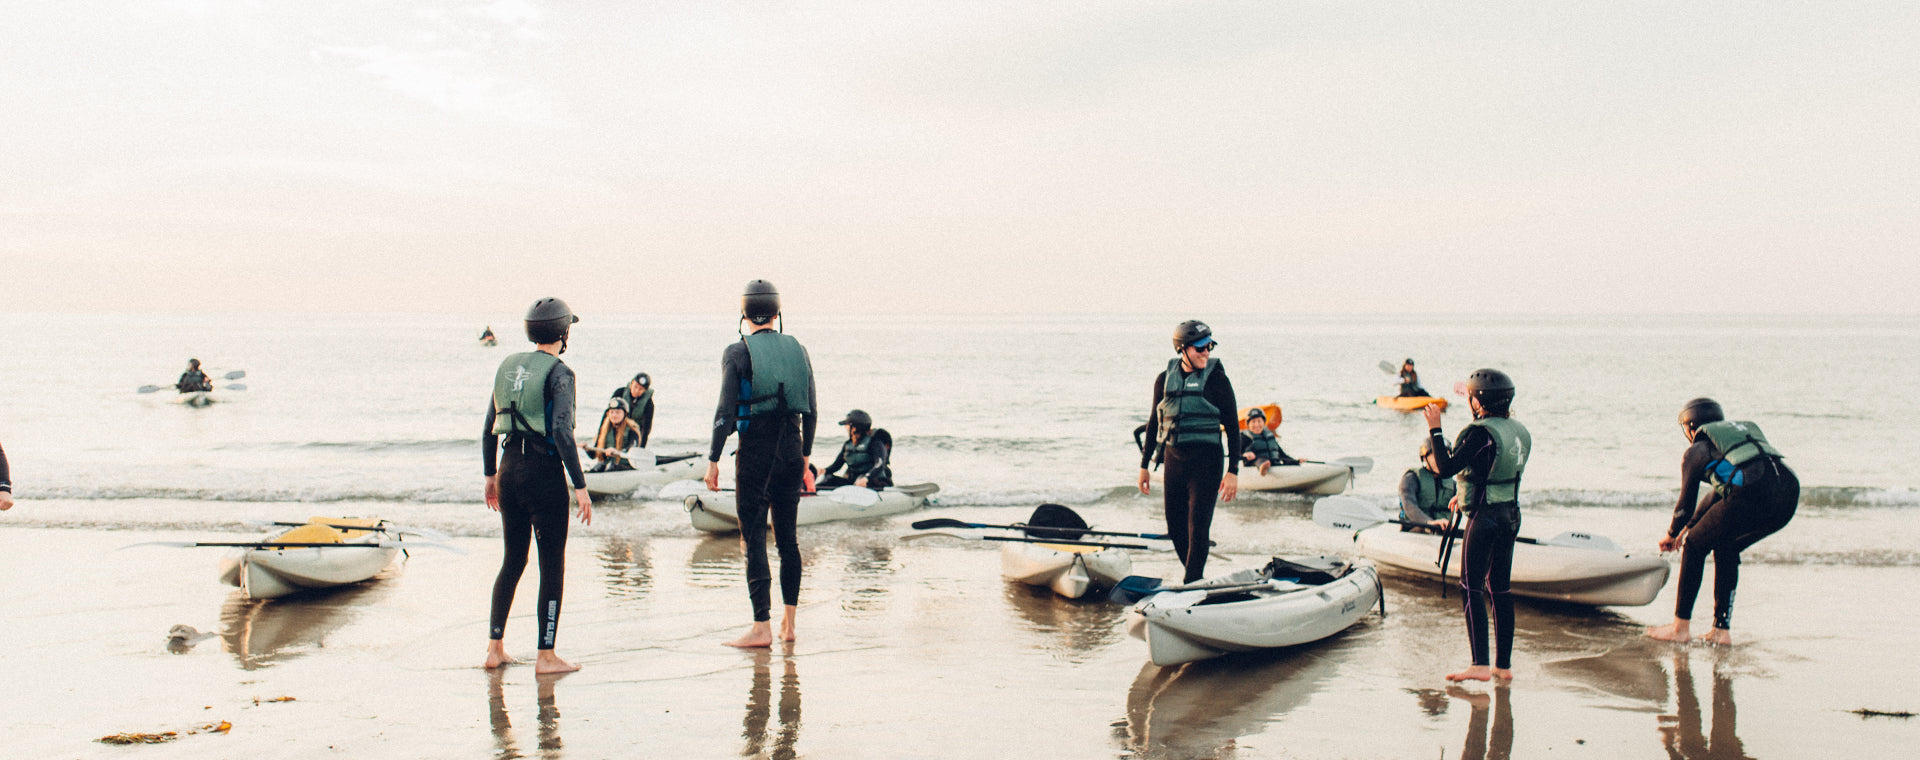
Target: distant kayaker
1410 381
1754 495
638 394
193 380
865 455
766 394
6 483
1424 496
532 409
617 433
1489 457
1193 405
486 336
1259 446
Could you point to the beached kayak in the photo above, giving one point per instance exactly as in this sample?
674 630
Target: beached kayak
1541 571
618 482
1409 403
1306 477
1071 571
1286 603
715 512
264 573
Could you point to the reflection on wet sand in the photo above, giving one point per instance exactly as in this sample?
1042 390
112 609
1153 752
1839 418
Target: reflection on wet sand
870 578
1082 627
628 568
506 745
1202 709
1630 671
1483 744
261 632
760 708
1680 733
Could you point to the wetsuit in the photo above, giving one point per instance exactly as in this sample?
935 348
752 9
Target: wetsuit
1486 568
876 469
1732 519
534 499
640 412
768 473
1423 498
1193 476
193 380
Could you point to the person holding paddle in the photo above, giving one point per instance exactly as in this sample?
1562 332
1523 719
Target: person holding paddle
638 394
617 434
1488 459
1193 405
766 394
193 380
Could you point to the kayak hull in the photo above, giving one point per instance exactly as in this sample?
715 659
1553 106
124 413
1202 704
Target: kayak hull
196 398
1408 404
266 573
1306 477
622 482
1555 573
1177 630
1071 571
716 512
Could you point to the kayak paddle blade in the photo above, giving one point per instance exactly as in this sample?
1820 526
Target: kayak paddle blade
641 458
236 386
1387 367
1359 465
148 389
236 374
1134 588
943 522
1347 513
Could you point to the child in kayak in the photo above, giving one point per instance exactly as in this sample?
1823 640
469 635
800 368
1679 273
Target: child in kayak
1259 446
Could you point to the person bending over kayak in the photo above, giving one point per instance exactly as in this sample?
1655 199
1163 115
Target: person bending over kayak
1259 446
617 433
638 394
532 409
1424 496
193 380
6 483
766 393
1410 381
1193 405
1754 495
1488 458
865 455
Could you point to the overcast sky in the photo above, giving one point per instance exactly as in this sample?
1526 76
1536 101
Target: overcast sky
1194 157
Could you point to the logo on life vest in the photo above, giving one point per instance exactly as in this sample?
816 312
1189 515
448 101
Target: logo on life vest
520 375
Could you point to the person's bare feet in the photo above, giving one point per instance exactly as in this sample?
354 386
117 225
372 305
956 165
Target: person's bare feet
548 663
1475 673
759 636
1719 637
1678 630
1503 674
786 624
497 655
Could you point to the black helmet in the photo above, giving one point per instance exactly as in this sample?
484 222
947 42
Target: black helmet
858 419
643 380
1192 332
193 364
1409 361
618 403
1255 412
1701 411
548 320
1493 388
760 303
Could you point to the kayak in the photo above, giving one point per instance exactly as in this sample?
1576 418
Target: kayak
1306 477
620 482
1286 603
195 398
1541 571
1071 571
715 512
1409 403
265 573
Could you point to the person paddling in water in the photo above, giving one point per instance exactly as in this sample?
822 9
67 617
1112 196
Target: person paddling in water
766 394
193 380
1410 381
1488 458
532 409
1193 406
1754 495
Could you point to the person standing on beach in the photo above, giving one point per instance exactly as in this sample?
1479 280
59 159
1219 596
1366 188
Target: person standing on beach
1193 406
6 483
1488 458
766 394
1754 495
532 408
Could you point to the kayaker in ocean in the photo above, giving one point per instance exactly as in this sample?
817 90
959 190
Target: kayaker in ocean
766 394
1489 456
6 483
193 380
1193 405
865 455
617 433
1410 381
532 409
1423 495
1754 495
1259 446
638 393
486 336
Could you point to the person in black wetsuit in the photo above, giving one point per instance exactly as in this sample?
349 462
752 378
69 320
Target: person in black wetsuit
1424 496
6 483
638 394
1754 495
767 394
1259 446
532 409
193 380
1488 458
1193 405
864 456
1410 381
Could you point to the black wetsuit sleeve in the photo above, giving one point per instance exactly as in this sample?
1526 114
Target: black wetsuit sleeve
1693 470
560 422
6 478
646 424
1153 419
1219 392
810 420
1473 447
489 443
1410 496
839 460
735 363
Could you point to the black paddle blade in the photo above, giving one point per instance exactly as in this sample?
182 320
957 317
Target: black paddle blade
940 522
1056 522
1134 588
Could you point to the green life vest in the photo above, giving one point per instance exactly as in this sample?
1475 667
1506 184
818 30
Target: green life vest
1264 446
1738 443
634 405
520 394
1431 492
859 456
780 371
1186 417
1512 445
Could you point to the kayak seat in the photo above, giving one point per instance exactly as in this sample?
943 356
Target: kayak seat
1305 574
1055 522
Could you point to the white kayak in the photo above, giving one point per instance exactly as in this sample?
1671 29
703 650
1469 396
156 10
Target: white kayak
1071 571
195 398
715 512
1542 571
264 573
1306 477
620 482
1284 604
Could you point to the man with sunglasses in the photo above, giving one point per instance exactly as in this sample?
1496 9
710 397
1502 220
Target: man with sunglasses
1193 408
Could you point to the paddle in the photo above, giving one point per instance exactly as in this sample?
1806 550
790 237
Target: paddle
396 529
1387 367
639 458
849 495
1460 389
1446 550
1134 588
300 545
1348 513
1359 465
948 522
1019 540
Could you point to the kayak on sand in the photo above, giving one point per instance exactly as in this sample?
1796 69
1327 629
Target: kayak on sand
1286 603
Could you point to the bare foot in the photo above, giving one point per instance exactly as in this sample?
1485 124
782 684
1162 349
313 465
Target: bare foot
1677 630
1475 673
1719 637
1503 674
548 663
497 655
759 636
786 624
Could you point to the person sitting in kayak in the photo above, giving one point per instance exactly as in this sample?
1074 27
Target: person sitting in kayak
1424 495
865 455
193 380
618 433
638 394
1259 446
1410 381
486 336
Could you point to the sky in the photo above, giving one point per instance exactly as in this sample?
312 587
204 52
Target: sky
978 157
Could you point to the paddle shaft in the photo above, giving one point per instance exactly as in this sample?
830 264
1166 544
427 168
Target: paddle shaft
945 522
285 545
1061 542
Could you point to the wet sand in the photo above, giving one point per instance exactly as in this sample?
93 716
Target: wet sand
907 649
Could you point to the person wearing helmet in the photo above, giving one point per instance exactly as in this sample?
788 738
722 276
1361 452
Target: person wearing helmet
766 395
1488 458
486 336
1410 381
617 434
1193 405
193 380
530 425
638 394
1424 496
864 455
1259 446
1754 494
